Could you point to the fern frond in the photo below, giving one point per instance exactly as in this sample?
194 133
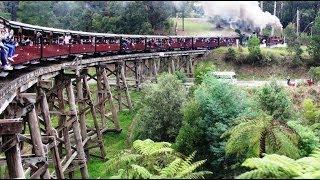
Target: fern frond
190 169
121 160
140 172
171 169
272 166
191 157
197 175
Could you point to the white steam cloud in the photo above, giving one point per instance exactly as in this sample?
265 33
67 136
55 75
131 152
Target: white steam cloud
239 13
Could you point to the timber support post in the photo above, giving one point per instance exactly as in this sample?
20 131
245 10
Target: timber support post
10 128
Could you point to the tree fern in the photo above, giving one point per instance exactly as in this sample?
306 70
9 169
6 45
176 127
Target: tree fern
157 160
279 166
254 136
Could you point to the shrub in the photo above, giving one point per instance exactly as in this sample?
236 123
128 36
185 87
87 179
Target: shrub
275 101
309 141
181 76
293 44
201 69
160 117
314 45
314 72
268 58
206 117
304 39
310 112
254 50
153 160
230 55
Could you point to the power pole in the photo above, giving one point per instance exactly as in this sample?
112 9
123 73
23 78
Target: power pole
274 13
183 20
298 21
281 10
261 5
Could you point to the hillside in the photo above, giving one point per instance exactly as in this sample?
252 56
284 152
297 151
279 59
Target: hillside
200 26
279 65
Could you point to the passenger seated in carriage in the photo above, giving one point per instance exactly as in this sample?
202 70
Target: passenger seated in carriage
10 44
125 44
4 51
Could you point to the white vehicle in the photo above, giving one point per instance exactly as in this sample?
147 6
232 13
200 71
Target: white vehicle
226 76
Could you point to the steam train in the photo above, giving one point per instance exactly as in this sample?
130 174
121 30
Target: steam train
42 43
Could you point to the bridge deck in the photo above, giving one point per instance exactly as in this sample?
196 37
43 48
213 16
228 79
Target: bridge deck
10 87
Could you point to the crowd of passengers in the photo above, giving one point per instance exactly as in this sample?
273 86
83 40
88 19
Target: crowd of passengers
8 44
7 47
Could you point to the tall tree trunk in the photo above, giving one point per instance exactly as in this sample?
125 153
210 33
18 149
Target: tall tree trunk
14 10
106 9
182 21
263 144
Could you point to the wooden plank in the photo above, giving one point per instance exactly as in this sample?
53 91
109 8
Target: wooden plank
10 126
66 165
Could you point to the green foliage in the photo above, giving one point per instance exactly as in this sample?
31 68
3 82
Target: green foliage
314 47
314 72
275 101
36 13
181 76
279 166
254 49
230 55
160 118
206 117
260 134
135 17
153 160
308 138
293 44
201 69
304 39
311 112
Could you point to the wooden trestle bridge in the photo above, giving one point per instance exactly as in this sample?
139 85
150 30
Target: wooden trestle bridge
44 109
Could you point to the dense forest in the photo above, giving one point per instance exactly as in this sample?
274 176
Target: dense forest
133 17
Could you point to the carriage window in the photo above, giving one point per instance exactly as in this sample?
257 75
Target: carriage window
26 37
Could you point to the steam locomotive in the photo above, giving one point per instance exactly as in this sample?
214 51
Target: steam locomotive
42 43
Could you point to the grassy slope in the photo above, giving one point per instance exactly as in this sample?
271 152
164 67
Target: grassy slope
192 27
280 69
198 26
113 142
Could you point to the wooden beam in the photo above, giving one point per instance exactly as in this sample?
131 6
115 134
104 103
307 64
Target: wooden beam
77 133
10 126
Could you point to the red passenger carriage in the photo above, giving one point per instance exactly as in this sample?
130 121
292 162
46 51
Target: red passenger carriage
157 43
29 47
36 42
107 43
